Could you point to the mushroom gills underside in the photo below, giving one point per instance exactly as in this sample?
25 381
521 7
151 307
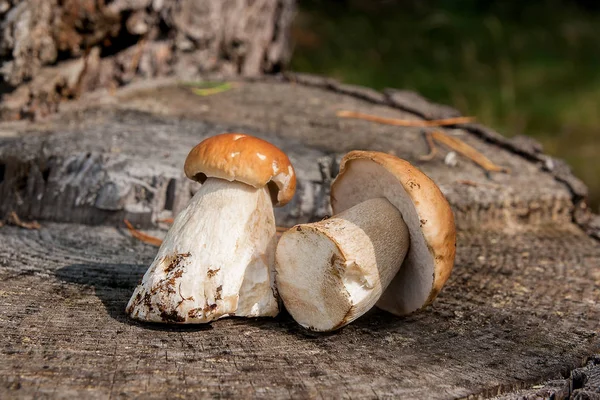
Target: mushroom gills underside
364 179
216 260
331 272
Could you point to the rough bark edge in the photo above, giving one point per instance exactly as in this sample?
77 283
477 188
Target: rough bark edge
114 191
413 103
582 383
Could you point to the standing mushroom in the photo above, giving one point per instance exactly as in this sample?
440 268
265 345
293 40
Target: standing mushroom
391 243
217 259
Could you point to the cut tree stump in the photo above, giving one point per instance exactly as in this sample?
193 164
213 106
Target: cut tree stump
520 312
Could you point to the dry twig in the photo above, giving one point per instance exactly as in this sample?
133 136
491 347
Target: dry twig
154 241
13 219
405 122
471 153
452 142
432 149
468 182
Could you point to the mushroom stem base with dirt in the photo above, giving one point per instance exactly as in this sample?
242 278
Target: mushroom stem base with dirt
216 260
331 272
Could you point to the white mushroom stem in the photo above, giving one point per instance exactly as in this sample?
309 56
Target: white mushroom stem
331 272
216 260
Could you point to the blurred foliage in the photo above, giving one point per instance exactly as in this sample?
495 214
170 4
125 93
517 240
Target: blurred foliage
521 67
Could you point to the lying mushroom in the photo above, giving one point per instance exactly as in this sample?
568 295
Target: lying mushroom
217 259
391 243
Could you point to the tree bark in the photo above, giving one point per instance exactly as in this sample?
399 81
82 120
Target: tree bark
56 49
99 164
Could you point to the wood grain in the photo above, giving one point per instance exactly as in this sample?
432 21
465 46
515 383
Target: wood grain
517 311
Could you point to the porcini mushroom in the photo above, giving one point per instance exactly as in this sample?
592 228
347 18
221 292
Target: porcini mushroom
390 243
217 259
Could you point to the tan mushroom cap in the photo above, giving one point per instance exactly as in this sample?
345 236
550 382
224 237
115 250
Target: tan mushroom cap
243 158
367 174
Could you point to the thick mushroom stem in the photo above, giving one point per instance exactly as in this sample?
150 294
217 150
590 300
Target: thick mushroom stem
216 260
331 272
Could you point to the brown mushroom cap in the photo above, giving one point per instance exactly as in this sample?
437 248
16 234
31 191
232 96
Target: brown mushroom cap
365 175
243 158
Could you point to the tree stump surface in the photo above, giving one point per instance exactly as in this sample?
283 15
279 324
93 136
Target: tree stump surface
520 312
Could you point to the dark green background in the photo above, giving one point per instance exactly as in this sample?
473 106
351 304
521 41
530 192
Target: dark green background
520 67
